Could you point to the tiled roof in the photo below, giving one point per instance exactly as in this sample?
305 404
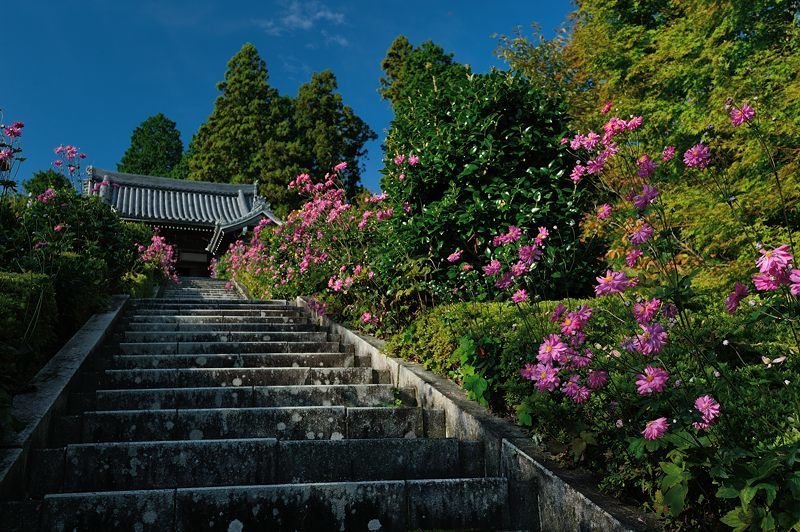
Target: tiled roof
160 199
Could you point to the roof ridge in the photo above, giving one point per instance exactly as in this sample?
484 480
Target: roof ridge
168 183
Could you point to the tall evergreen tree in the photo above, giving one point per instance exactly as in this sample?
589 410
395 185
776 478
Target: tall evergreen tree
313 132
226 147
155 148
410 72
330 132
393 65
181 170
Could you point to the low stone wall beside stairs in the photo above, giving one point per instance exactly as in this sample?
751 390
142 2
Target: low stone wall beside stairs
542 494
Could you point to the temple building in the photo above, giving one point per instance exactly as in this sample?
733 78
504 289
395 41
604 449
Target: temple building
201 219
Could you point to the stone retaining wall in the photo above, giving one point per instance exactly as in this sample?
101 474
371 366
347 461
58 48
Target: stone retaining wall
566 499
48 396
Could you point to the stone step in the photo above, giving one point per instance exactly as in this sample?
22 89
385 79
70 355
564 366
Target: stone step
204 377
285 423
224 336
475 504
190 348
218 327
246 396
233 303
180 464
262 312
210 319
243 360
223 305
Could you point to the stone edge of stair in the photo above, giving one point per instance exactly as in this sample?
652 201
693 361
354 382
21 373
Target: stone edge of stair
567 499
38 408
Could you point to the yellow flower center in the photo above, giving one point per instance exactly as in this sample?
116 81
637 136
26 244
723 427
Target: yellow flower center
548 348
649 378
543 375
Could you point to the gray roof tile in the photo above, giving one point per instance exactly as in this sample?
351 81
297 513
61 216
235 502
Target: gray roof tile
160 199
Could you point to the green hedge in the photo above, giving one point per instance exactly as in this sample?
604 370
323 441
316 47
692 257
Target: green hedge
28 312
81 286
141 285
28 320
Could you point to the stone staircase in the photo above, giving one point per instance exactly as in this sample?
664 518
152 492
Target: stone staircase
205 411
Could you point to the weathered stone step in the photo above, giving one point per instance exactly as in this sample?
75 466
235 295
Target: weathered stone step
218 327
222 306
224 336
180 464
263 312
210 319
285 423
183 303
475 504
204 377
247 396
189 348
242 360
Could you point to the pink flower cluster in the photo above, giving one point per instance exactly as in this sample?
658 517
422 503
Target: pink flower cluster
69 158
561 356
162 255
14 130
368 318
775 270
412 160
46 196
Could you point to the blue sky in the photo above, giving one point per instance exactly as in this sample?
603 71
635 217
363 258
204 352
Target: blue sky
88 72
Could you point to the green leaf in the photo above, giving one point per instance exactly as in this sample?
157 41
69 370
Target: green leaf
675 498
727 492
737 519
770 490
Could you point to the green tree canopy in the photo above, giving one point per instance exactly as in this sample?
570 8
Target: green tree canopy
392 66
489 157
315 131
677 63
44 179
155 149
410 71
256 133
227 146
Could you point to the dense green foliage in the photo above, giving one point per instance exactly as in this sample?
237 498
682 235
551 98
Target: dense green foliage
483 346
28 313
227 144
44 179
156 148
490 158
677 64
254 133
316 132
474 156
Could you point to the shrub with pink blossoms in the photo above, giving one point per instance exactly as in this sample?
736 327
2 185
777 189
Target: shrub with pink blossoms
160 255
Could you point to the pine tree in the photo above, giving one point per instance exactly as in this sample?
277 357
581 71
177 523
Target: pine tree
393 65
410 71
312 133
181 170
155 148
227 146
